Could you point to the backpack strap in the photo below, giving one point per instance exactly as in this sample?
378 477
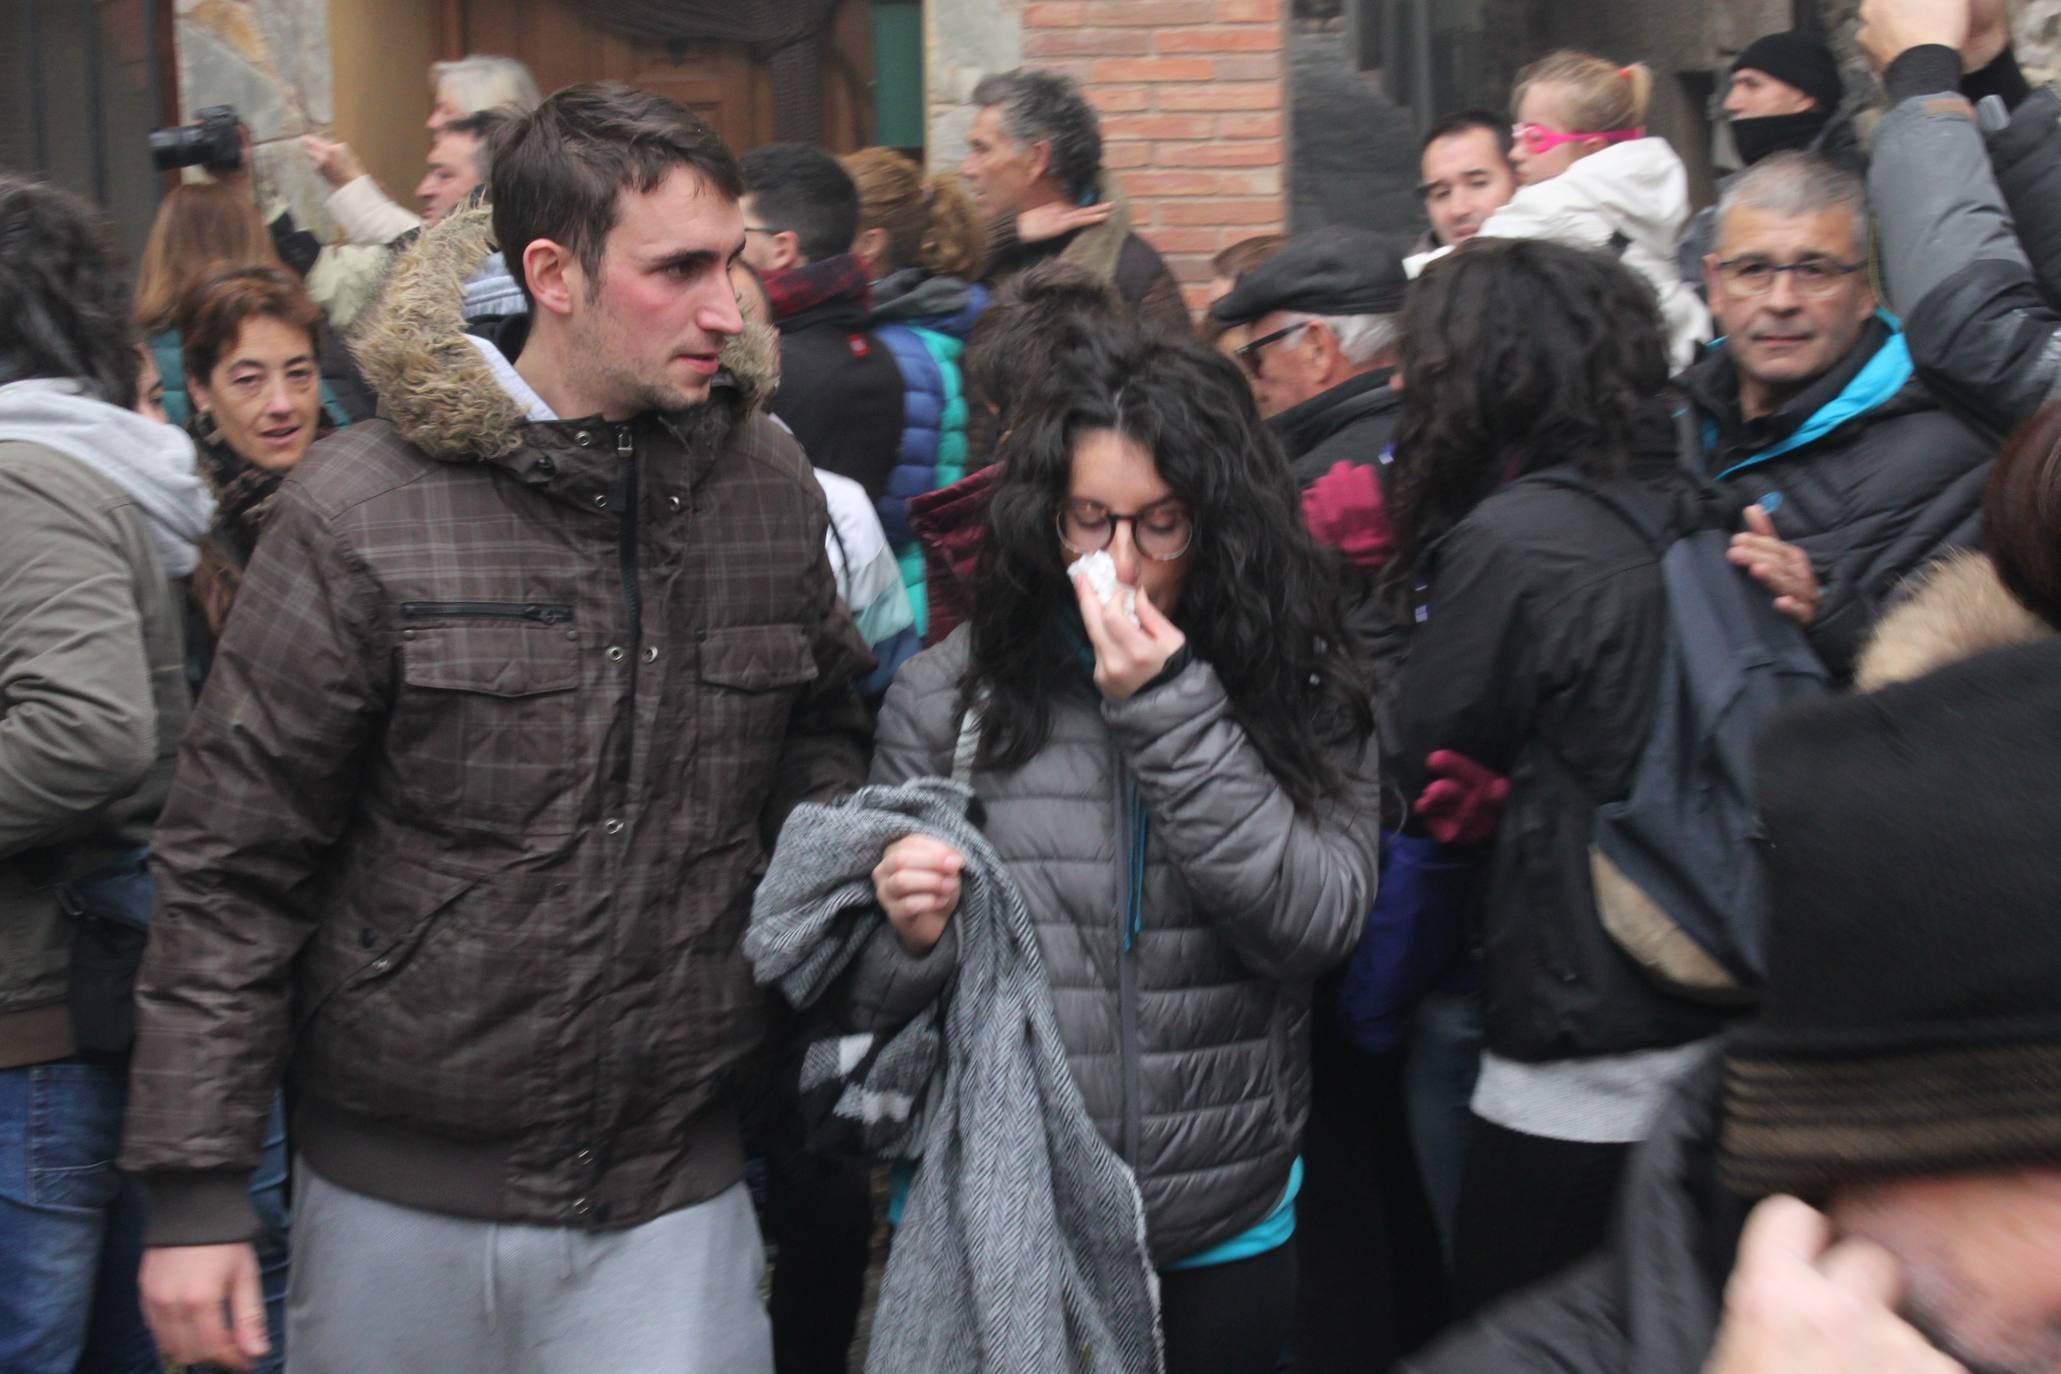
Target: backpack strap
1689 442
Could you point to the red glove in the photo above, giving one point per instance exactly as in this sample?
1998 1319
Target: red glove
1344 509
1464 805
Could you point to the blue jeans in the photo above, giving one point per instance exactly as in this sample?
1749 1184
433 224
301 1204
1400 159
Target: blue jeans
74 1226
1445 1057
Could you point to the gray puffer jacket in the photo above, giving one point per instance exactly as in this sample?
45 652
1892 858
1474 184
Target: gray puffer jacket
1191 1046
1969 220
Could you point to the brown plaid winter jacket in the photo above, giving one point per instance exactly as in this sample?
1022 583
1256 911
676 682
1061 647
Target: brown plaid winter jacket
468 822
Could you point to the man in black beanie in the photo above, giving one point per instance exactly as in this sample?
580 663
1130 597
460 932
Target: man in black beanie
1783 94
1892 1118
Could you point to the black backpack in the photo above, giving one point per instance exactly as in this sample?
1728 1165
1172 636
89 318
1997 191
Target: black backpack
1676 863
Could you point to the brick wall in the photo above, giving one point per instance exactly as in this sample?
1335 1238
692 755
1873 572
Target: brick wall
1193 119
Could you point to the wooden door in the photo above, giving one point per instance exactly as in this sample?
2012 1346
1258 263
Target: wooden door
719 81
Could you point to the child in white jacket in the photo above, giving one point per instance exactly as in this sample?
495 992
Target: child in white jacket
1588 176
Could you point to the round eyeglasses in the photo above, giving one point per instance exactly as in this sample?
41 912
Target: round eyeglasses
1161 533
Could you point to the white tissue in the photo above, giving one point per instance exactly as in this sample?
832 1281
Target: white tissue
1100 570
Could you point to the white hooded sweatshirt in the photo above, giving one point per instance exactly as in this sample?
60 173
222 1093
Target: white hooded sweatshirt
150 460
1638 190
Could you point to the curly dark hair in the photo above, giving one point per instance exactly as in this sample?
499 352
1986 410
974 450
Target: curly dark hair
1262 604
1520 355
67 307
1013 353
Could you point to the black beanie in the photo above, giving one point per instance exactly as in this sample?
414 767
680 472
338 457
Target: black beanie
1911 1021
1802 60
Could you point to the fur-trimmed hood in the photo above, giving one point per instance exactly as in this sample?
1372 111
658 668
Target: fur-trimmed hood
439 391
1958 610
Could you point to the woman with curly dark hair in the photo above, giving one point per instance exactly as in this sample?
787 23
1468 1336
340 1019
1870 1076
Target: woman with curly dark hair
1535 667
1188 802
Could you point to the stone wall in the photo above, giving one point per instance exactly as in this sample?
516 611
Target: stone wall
963 41
1191 94
270 59
2039 39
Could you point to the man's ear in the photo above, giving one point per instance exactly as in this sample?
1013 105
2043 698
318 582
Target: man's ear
1322 341
554 275
786 251
1037 159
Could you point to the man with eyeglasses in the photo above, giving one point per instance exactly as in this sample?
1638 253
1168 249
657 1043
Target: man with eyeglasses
1325 319
1810 412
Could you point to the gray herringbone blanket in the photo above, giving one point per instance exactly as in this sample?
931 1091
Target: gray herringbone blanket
1022 1247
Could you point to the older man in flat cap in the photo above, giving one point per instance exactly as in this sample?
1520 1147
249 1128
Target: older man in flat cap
1324 320
1325 317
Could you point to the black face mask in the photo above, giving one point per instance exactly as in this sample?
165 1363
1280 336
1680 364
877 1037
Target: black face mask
1759 138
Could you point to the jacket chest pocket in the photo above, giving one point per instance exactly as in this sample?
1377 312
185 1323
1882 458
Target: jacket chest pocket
486 727
750 678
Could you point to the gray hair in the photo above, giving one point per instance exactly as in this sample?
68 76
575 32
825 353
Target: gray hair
1794 184
1363 339
480 81
1047 107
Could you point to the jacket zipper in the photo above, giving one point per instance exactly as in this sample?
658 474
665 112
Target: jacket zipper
593 1168
1130 911
633 594
487 610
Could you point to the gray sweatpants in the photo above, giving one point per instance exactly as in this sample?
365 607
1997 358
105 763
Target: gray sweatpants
385 1287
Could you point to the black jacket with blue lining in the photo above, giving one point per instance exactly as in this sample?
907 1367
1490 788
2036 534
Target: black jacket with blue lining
1863 469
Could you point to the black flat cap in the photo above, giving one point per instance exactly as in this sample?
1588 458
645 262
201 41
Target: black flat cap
1337 270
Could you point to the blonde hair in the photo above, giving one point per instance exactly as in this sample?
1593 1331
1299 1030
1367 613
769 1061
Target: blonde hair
1598 96
930 222
481 81
201 227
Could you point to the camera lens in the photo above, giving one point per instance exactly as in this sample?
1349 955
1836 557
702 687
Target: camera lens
171 149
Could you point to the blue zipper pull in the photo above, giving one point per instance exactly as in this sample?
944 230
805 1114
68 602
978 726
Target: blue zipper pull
1134 917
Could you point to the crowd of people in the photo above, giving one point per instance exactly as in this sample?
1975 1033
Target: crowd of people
1473 809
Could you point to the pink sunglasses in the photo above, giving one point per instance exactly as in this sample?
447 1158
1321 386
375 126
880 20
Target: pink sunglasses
1537 138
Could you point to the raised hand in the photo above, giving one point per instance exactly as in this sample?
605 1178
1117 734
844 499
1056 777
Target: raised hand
1891 28
338 165
1989 33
